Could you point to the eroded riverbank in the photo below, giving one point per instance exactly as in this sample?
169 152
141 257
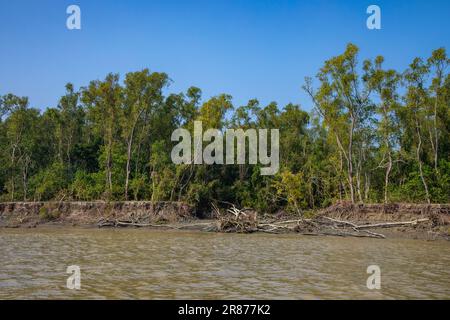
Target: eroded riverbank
429 222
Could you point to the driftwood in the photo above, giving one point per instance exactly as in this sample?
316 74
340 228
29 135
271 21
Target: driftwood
234 220
392 224
119 223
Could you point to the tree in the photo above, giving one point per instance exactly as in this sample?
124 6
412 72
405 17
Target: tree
438 62
342 102
385 83
416 103
103 100
70 122
142 94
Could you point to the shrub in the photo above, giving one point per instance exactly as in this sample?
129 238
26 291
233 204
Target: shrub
47 215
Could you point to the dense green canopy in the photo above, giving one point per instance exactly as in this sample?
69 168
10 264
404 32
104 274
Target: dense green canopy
374 135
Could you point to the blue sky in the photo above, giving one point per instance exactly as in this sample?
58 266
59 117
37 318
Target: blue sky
249 49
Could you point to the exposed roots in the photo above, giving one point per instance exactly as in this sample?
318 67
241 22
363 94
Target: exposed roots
234 220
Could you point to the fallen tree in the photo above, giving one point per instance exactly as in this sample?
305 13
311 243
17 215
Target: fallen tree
234 220
316 226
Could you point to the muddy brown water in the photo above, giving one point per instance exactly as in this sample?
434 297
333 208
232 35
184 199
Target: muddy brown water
147 264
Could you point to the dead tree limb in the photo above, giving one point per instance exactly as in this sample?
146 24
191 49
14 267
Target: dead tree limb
392 224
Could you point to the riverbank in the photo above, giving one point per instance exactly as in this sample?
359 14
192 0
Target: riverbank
67 213
433 220
416 221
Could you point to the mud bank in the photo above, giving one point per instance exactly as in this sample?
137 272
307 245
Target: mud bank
415 221
31 214
439 214
437 225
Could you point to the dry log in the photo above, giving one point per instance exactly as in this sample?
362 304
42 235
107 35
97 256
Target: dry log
342 222
168 226
392 224
374 234
140 225
378 225
292 221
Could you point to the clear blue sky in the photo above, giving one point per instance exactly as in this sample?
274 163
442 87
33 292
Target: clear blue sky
249 49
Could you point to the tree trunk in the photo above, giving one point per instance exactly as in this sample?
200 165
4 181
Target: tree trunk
419 147
26 164
436 135
24 182
129 146
13 156
341 164
109 163
366 186
350 160
386 177
129 152
358 175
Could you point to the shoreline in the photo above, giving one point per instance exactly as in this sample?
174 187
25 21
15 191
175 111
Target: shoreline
412 221
186 227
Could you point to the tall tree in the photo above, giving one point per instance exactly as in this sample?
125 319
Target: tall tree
142 94
385 83
438 62
416 103
103 100
70 122
342 102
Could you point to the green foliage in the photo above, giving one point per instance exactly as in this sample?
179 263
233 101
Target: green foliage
46 214
139 187
88 186
49 182
374 134
293 189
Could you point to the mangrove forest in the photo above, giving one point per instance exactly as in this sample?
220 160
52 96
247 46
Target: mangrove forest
372 135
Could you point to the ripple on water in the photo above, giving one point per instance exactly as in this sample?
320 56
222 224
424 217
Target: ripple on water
143 264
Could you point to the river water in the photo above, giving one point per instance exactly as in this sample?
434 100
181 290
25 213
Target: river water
145 264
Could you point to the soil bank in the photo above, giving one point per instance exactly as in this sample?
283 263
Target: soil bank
178 215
